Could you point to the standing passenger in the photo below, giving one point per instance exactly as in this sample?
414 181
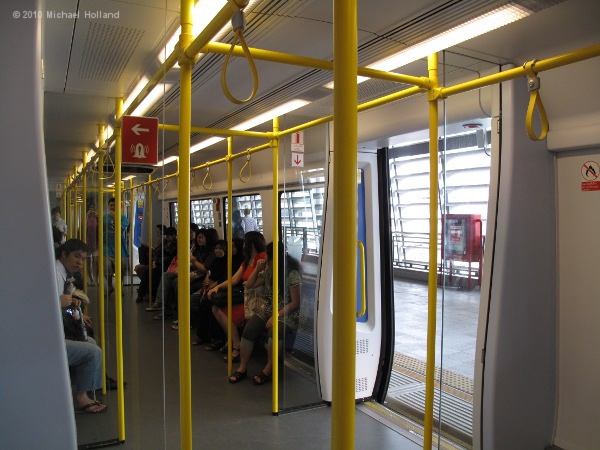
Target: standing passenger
248 222
109 244
92 243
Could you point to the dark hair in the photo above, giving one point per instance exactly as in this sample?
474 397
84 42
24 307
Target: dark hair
195 228
72 245
171 231
238 243
253 240
56 209
211 235
287 263
223 244
111 200
235 216
162 228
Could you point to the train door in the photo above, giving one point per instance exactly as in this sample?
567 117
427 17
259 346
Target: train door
368 326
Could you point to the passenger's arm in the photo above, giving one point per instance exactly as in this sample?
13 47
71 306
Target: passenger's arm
236 278
254 280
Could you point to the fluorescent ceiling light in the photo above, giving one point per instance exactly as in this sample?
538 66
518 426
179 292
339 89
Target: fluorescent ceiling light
260 119
475 27
136 90
204 12
151 99
255 121
166 161
205 143
130 177
269 115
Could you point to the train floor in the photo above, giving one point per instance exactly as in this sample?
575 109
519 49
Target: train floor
224 415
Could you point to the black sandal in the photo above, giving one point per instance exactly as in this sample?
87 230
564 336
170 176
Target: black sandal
236 377
261 378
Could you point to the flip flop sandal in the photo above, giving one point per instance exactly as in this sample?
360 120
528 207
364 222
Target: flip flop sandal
87 409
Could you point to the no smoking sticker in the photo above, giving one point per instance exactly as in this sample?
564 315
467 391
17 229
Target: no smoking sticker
590 171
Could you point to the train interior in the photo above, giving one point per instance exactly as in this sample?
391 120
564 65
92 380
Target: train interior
514 310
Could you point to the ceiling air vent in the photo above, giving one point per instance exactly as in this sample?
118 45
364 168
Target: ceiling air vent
107 51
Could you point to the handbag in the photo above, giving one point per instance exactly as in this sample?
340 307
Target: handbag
253 301
220 298
73 325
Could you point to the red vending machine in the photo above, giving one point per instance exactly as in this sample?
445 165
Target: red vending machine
462 241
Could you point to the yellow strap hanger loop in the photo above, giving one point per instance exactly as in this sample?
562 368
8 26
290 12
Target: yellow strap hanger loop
109 163
239 23
249 169
208 177
194 181
535 101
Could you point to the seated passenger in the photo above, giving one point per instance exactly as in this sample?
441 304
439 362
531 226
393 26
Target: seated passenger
144 252
289 281
161 259
83 355
254 250
202 317
169 280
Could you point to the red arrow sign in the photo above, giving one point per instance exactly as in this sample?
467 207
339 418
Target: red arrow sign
140 140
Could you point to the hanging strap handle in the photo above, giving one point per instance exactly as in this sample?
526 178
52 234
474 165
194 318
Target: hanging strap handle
209 177
238 22
249 169
535 102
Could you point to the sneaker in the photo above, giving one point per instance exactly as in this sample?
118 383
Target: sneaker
158 317
156 306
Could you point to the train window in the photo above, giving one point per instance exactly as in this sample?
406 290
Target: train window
253 202
201 213
301 220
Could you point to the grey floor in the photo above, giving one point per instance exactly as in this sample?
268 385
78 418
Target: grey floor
457 316
225 416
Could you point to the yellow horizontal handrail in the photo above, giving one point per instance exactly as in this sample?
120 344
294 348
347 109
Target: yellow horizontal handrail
305 61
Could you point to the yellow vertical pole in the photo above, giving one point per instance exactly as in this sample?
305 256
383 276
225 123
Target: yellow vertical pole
345 222
131 233
229 248
101 271
151 249
84 223
276 262
183 241
118 265
64 201
432 63
73 206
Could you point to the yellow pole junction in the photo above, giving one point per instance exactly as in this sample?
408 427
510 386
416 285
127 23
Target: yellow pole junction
432 64
183 238
345 223
118 266
276 262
